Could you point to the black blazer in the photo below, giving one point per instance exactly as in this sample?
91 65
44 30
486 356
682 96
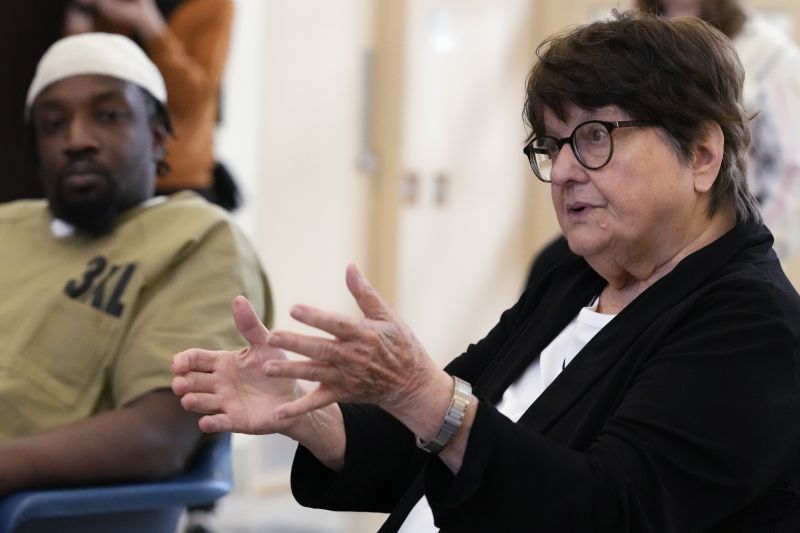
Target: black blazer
681 415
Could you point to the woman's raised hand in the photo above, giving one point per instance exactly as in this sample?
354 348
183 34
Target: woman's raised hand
375 359
230 388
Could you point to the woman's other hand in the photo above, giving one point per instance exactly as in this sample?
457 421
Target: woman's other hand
375 359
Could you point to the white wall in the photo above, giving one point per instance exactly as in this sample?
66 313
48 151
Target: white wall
462 260
293 94
291 134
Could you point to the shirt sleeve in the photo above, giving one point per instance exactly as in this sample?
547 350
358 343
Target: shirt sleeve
189 305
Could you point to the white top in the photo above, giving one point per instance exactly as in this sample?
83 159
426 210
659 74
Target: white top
520 395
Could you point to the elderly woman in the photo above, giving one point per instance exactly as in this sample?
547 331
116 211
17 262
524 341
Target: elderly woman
647 382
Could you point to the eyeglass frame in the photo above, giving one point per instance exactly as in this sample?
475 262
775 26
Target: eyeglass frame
610 126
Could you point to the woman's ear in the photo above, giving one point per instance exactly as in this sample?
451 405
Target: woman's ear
707 157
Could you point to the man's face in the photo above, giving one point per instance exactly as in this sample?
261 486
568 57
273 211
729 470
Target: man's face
97 149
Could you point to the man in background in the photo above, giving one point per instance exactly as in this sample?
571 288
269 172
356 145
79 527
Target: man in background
101 281
188 41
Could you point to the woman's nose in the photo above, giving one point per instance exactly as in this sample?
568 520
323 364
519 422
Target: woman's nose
566 166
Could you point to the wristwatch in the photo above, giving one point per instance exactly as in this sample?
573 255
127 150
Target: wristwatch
453 417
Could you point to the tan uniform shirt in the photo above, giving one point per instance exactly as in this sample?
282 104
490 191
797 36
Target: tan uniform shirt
88 324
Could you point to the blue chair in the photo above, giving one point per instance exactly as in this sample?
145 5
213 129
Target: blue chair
152 507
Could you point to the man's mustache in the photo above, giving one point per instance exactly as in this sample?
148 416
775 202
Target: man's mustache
84 166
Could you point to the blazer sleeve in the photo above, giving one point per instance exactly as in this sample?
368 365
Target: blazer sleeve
381 456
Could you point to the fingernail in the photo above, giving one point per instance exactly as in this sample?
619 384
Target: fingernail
296 312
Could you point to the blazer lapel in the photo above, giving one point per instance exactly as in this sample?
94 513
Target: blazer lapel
551 311
606 348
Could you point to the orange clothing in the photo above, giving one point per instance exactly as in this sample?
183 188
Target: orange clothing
191 56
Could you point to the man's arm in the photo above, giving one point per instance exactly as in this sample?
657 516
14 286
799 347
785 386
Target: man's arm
190 54
150 438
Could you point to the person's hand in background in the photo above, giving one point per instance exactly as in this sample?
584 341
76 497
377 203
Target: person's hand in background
138 17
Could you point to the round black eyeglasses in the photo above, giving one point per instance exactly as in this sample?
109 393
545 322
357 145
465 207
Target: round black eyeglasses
591 143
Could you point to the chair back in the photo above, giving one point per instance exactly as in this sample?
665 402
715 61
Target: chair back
154 507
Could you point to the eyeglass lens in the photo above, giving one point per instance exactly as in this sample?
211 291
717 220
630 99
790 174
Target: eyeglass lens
591 143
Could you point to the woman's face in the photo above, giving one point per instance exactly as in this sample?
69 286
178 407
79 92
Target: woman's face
635 210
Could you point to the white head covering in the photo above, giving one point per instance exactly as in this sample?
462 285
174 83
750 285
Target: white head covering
96 53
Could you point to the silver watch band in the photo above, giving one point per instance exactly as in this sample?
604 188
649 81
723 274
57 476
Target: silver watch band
453 417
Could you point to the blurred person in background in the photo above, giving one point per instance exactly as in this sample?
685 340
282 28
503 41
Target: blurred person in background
772 94
188 40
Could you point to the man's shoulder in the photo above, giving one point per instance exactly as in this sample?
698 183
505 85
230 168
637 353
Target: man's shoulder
183 221
22 210
186 207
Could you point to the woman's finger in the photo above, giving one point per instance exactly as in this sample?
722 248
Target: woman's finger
194 360
197 382
318 348
337 324
365 295
248 323
216 423
306 370
316 399
180 386
202 402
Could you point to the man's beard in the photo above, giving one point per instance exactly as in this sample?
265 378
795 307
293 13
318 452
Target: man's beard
96 216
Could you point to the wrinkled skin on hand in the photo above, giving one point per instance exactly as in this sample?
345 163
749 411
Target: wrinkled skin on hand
375 359
230 388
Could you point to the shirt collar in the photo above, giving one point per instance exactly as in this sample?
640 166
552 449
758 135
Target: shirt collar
62 229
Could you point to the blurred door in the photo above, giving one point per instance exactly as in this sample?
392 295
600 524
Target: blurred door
461 250
294 102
